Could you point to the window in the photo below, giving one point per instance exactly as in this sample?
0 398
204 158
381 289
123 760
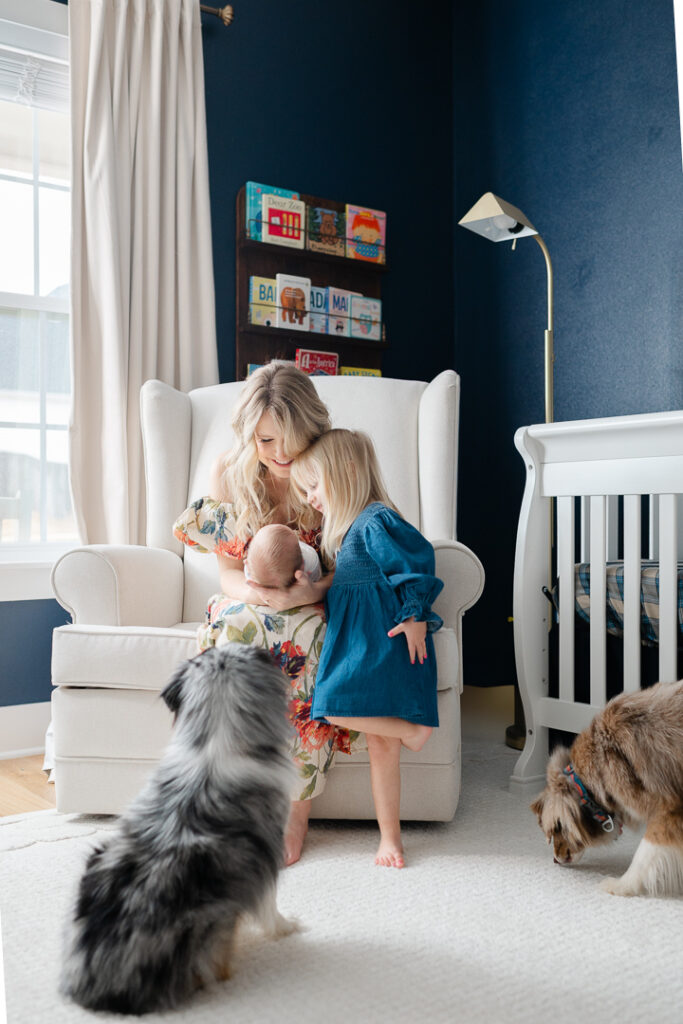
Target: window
36 518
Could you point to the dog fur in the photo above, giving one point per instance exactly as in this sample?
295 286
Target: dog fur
200 846
630 759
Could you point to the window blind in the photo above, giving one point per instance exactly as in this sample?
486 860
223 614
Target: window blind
34 80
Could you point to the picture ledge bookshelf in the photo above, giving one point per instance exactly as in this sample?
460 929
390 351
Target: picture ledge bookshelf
258 344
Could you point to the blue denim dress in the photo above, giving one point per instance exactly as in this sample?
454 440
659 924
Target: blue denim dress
384 574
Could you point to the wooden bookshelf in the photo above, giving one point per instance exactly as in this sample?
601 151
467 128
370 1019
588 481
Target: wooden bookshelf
258 344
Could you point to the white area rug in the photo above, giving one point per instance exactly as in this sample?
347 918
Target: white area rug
480 928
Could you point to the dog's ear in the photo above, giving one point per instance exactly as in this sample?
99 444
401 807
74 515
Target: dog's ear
172 692
538 805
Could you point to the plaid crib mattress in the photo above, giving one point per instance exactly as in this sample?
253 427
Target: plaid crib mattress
649 598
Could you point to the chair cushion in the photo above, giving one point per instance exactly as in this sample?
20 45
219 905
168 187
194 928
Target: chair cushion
137 657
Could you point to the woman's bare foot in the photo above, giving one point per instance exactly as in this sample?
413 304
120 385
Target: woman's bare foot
297 827
416 738
390 854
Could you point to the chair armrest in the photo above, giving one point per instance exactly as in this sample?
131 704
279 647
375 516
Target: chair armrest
463 576
111 585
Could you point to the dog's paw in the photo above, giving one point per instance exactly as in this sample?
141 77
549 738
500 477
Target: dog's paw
285 926
617 887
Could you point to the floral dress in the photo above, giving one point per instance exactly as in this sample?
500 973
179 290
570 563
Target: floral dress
293 637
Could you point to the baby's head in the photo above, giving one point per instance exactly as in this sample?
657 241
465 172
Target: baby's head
273 557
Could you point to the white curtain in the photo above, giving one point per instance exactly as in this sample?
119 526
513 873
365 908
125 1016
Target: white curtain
142 273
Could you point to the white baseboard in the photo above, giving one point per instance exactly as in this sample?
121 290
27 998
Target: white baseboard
22 729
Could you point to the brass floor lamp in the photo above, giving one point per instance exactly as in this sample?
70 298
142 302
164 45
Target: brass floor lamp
500 222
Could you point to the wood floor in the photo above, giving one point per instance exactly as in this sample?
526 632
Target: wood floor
24 786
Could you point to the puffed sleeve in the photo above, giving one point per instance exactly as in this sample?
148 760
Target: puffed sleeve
406 559
209 526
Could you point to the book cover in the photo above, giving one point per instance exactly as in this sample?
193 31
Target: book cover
325 230
253 366
338 311
358 371
283 221
252 208
318 319
317 363
366 318
293 296
262 301
366 232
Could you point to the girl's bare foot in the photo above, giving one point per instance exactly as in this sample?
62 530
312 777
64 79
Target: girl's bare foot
297 827
416 738
390 854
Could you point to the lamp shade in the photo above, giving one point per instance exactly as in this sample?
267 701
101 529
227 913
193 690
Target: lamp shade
497 220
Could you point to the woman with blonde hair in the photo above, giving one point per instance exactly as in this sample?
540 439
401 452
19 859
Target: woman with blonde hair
278 416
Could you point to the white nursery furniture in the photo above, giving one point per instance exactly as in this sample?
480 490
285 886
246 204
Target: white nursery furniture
615 486
135 609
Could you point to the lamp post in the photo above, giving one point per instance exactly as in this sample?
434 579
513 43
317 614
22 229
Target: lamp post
501 222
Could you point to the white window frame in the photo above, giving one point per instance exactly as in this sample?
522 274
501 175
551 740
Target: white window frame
25 569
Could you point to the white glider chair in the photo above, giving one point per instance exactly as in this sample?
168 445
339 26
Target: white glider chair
135 609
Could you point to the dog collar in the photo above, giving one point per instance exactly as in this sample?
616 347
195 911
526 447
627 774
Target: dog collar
597 812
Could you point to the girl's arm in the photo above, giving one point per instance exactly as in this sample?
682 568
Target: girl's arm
415 633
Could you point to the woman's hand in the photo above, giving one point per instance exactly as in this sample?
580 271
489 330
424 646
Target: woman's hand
415 634
301 592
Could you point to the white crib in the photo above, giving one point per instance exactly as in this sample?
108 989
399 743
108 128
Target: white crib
584 496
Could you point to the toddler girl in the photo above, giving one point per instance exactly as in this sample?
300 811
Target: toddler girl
383 587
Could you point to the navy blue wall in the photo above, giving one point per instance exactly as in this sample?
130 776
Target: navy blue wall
570 112
26 631
350 102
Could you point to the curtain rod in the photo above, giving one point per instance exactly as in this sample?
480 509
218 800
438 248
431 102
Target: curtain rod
224 13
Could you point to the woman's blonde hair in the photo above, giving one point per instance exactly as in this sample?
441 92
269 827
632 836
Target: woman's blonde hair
289 395
345 463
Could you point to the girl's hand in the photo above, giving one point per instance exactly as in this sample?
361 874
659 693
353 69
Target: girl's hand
415 634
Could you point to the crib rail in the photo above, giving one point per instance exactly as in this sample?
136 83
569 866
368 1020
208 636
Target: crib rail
614 487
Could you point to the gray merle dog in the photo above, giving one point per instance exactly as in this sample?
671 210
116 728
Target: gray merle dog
200 846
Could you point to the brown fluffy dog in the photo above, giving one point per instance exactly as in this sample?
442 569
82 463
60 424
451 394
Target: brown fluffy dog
626 768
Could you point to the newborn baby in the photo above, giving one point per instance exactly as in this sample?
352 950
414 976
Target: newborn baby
275 555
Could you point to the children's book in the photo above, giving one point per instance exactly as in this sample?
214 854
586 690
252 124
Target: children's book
325 230
252 210
293 296
317 363
366 232
358 371
283 221
318 320
262 301
366 318
338 311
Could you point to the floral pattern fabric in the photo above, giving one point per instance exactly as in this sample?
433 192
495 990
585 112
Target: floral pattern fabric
294 639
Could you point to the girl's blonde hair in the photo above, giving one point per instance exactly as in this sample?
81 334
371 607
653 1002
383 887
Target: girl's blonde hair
289 395
345 463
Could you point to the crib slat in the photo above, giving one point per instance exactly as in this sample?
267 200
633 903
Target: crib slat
632 524
585 528
612 527
598 599
668 587
567 591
